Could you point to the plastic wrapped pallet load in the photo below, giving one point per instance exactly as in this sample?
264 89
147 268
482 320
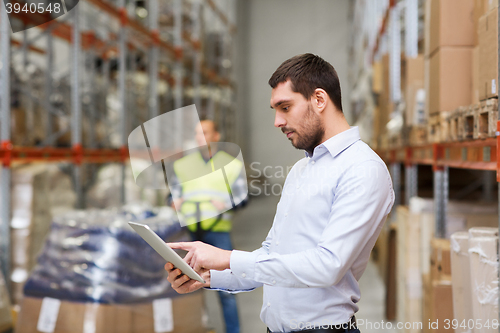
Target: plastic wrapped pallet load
96 275
461 280
483 256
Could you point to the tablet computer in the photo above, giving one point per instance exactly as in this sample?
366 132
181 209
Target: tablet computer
164 250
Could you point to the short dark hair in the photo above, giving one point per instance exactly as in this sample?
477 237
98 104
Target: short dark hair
307 72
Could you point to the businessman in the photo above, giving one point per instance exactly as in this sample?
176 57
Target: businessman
333 206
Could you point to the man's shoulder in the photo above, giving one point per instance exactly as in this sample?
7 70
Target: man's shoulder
360 152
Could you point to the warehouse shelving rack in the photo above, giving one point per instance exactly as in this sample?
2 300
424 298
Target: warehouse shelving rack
476 154
133 37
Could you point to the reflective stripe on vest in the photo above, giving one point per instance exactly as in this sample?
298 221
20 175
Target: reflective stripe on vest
211 186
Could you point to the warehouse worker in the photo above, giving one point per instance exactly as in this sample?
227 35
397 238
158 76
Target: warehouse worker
198 199
333 206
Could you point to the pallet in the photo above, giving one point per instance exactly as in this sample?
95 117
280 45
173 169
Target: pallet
469 120
433 128
395 140
486 118
454 134
417 135
383 141
437 127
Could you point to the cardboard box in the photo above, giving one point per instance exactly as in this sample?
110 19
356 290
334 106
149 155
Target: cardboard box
450 79
488 55
438 306
377 77
414 82
31 209
440 260
483 259
409 278
481 7
441 307
460 277
451 23
186 313
401 220
475 75
5 306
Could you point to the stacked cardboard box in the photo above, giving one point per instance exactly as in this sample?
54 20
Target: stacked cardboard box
383 109
415 113
38 192
474 260
438 293
460 278
423 263
449 46
30 222
488 55
180 314
475 76
409 276
5 306
481 7
483 257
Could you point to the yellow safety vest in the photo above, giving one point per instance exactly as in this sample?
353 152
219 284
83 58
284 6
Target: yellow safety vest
211 185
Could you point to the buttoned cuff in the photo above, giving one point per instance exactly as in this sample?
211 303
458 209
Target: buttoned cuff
242 264
220 279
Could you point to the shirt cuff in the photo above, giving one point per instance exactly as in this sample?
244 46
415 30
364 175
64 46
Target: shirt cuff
220 279
242 264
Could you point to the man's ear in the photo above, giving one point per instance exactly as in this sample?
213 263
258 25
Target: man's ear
319 100
217 136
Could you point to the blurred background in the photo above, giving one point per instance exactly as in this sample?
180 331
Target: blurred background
419 78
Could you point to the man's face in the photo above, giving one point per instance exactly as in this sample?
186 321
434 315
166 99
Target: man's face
205 131
296 118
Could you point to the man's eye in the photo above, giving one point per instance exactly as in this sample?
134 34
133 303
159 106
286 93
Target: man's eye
285 108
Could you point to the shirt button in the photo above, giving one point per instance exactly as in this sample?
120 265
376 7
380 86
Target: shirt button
313 162
297 186
286 214
274 281
277 243
243 275
268 304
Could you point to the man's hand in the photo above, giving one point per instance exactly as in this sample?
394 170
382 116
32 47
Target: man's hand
181 283
201 255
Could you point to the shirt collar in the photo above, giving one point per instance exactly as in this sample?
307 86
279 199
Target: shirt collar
337 143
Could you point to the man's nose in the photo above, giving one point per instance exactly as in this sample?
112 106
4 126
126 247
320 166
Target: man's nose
279 121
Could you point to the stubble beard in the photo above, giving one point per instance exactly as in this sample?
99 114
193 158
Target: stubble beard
312 132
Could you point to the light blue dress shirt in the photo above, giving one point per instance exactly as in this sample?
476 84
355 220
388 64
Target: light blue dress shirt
331 211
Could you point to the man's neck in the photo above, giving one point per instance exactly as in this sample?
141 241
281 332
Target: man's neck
334 125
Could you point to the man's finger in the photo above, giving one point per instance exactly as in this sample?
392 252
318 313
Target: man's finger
189 257
197 267
180 281
169 266
180 245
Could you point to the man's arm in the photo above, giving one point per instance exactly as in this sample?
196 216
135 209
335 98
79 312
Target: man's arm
222 279
362 200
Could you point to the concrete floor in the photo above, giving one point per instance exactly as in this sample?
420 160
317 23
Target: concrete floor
250 229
